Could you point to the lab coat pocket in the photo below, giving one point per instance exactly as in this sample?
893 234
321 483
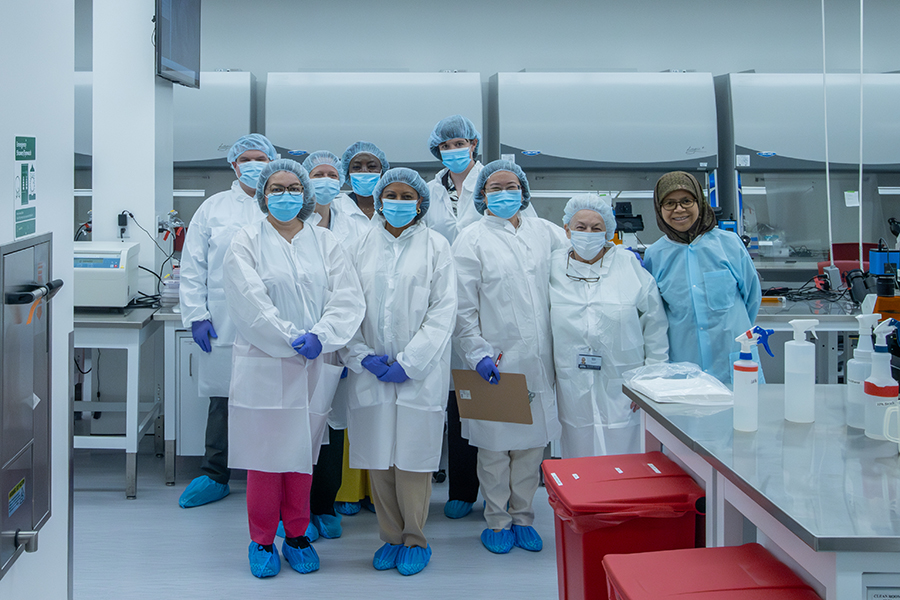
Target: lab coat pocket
323 388
720 289
574 397
256 382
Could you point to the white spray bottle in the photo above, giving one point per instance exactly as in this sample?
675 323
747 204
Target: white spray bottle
800 373
880 388
858 370
746 379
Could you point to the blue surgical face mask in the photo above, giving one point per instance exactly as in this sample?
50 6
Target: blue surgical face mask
326 189
364 183
504 204
588 244
399 213
456 160
250 172
286 206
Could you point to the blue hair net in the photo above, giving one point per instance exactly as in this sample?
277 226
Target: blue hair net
456 126
362 148
254 141
596 203
291 166
501 165
324 157
410 178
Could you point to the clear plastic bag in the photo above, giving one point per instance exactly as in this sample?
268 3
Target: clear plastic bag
681 383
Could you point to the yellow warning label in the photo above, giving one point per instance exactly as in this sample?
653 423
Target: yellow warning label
16 497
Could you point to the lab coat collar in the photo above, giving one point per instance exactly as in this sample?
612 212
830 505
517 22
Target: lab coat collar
470 180
404 235
236 188
498 223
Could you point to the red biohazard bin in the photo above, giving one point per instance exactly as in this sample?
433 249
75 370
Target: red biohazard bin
745 572
617 505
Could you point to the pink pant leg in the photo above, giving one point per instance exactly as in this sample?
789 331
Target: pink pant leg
264 494
295 503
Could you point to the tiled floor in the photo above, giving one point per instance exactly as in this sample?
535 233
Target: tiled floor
151 548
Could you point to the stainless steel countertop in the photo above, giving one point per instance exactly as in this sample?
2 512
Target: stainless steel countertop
135 318
833 487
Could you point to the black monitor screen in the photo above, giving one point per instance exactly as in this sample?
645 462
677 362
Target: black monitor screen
178 41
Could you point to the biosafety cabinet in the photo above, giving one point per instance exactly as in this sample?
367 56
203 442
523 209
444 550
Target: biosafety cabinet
27 286
772 175
615 133
306 112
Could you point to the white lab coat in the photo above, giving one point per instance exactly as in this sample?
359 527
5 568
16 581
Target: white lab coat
504 306
202 292
440 215
409 285
619 318
278 290
349 225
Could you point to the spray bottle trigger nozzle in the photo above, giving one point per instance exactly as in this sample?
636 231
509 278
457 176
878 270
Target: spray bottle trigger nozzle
764 338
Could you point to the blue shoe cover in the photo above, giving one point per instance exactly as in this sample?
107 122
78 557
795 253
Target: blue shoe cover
527 538
262 562
457 509
302 560
367 504
386 557
202 490
347 508
328 526
498 542
413 559
312 534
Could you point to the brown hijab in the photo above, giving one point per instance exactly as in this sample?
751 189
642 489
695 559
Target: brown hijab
679 180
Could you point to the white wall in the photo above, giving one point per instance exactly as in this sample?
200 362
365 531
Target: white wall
36 41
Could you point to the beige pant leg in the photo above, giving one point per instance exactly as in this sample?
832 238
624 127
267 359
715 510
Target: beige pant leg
413 498
524 479
401 501
493 477
387 509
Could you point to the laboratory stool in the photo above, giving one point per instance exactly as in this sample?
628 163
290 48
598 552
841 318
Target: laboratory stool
745 572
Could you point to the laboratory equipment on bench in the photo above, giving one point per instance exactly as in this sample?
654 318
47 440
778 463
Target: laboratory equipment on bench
858 370
25 468
746 379
887 304
800 373
881 389
106 274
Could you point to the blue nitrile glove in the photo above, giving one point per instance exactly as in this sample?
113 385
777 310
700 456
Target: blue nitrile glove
201 331
394 374
376 365
344 373
308 345
487 370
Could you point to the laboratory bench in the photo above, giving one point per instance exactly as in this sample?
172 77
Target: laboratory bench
127 331
822 497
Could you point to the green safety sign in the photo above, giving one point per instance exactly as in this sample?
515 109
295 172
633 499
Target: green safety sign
25 187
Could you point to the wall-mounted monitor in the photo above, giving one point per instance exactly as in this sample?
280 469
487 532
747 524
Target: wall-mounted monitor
178 41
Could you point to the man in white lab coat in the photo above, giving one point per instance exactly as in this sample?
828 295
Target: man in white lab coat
203 310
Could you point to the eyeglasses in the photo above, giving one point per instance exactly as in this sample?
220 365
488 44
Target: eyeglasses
277 189
498 188
685 203
584 279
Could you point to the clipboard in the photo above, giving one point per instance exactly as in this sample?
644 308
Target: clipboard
506 402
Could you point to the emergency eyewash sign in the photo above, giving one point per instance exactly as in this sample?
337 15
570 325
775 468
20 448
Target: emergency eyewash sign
26 195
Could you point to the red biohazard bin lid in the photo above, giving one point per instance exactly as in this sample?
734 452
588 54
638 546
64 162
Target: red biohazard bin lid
745 572
604 491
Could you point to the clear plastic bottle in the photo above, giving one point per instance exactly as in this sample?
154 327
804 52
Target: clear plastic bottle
880 388
746 380
858 370
800 373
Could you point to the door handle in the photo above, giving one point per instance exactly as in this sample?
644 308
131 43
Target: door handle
191 364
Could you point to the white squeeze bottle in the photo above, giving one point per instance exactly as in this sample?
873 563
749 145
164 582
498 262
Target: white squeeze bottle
800 373
880 388
858 370
746 379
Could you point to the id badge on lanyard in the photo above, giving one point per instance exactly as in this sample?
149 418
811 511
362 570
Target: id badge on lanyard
588 361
